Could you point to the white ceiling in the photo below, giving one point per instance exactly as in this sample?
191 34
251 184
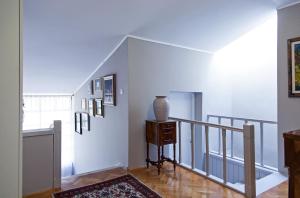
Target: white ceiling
65 40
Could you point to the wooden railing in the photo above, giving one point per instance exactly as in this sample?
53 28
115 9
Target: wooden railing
249 153
261 123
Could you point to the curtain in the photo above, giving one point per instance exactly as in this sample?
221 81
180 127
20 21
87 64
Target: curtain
40 111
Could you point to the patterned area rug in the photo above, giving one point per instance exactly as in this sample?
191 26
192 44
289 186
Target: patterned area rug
124 186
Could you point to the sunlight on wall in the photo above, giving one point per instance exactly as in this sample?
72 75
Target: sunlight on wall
249 67
260 44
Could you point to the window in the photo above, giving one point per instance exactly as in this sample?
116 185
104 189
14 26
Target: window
40 111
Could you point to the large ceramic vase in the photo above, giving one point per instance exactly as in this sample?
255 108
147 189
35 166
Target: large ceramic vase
161 108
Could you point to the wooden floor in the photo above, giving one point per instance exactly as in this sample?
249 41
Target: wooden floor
182 183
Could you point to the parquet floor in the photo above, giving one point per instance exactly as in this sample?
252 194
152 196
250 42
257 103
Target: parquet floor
280 191
182 183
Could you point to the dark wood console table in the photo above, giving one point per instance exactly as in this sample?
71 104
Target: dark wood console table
161 134
292 161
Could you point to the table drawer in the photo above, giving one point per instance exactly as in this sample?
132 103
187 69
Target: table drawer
167 126
168 138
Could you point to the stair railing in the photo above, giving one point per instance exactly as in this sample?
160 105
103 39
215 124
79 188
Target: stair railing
262 124
249 153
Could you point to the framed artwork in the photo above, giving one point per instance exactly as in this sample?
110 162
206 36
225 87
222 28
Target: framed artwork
91 87
85 121
294 67
98 85
109 90
83 104
78 120
99 108
92 107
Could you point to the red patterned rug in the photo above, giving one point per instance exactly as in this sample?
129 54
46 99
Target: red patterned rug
124 186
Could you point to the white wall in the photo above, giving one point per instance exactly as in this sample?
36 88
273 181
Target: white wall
288 108
250 61
10 150
106 145
157 69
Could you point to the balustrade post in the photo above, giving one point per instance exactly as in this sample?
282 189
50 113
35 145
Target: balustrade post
193 145
207 151
219 136
57 154
261 124
231 139
179 141
249 160
224 156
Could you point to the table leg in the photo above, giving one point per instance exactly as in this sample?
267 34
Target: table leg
158 159
147 160
291 184
174 156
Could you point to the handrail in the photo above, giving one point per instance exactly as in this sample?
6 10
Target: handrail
246 120
249 153
37 132
208 124
240 118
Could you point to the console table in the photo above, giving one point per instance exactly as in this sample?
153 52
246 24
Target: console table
292 161
161 134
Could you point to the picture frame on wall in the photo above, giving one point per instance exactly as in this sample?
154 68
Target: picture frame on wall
85 121
91 107
98 85
294 67
78 128
109 90
91 87
99 107
83 104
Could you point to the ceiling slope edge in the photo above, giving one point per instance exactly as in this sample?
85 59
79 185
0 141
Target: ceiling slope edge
288 5
138 38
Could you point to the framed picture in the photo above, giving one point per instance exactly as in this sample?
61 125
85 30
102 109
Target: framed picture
109 90
98 85
78 120
85 121
83 104
91 87
92 107
294 67
99 108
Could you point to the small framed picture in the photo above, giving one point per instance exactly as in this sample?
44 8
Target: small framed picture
85 121
99 108
92 107
91 87
98 85
83 104
78 120
109 90
294 67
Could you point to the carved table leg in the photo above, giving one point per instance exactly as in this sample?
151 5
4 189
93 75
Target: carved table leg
291 184
162 151
147 160
158 159
174 156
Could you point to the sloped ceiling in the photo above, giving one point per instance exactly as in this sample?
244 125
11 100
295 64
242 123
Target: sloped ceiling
65 40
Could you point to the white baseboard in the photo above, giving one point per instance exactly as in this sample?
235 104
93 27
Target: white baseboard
117 165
